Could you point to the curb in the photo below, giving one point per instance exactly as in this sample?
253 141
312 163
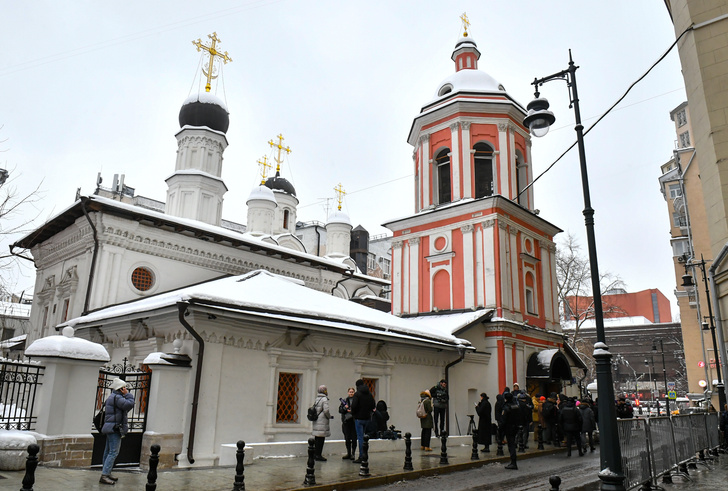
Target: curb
412 475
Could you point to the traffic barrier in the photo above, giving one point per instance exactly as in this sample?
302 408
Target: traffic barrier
635 455
661 445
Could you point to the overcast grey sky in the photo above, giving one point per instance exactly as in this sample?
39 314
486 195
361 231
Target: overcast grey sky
92 87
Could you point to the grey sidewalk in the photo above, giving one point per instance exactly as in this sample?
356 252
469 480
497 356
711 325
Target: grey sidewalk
273 473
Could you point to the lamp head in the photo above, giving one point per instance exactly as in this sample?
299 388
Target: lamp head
654 346
706 327
539 118
688 281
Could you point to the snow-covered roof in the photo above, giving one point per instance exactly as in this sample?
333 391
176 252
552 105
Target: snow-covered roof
637 320
261 192
468 81
274 296
339 217
12 309
12 342
67 346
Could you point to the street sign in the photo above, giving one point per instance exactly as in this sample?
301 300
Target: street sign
671 386
701 364
672 395
702 383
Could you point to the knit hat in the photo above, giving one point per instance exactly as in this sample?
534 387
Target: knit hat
542 399
117 384
323 390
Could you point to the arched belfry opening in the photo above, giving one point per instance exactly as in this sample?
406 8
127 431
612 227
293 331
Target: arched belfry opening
442 177
483 169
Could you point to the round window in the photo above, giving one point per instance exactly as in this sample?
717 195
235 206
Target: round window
142 279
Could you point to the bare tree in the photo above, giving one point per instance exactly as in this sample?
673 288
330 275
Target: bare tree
573 278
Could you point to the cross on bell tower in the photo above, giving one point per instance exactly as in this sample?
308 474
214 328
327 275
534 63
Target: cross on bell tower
466 23
212 49
340 193
264 166
281 148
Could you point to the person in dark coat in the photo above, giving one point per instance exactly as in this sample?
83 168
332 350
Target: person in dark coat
347 424
550 413
588 425
723 425
483 409
440 400
526 408
362 405
512 420
380 416
571 423
115 427
624 409
499 401
426 423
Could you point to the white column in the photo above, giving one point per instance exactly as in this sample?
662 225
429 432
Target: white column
405 278
466 159
512 163
480 291
516 284
489 262
554 300
531 204
425 162
546 277
396 278
455 161
414 257
468 265
503 161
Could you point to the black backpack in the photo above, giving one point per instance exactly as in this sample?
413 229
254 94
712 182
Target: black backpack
99 418
312 414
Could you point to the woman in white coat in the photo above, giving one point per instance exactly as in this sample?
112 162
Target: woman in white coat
321 427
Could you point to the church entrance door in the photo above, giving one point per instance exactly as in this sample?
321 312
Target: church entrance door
137 381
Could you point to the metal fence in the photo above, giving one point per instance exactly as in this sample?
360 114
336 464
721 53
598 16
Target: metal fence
653 447
20 381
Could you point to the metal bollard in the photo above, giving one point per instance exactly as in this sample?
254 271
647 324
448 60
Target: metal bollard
31 463
540 437
474 454
239 484
555 482
408 452
364 468
443 452
310 479
153 463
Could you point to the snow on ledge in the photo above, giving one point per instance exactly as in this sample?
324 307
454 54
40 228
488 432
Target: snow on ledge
68 346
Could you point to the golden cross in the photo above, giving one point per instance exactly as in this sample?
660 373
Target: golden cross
281 148
210 73
264 166
466 23
339 194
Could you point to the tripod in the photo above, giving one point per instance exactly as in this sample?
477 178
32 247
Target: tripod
472 427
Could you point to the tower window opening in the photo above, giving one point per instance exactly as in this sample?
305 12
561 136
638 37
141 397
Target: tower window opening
483 167
442 163
521 181
445 89
285 219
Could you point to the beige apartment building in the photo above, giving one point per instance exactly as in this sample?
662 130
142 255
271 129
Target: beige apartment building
701 27
682 189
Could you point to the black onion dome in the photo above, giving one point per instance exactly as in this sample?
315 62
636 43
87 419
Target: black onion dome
204 109
279 183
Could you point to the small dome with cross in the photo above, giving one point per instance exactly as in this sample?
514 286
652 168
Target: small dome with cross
204 109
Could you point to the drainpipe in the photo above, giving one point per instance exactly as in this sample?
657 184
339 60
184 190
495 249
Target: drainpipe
182 309
91 273
722 255
447 380
351 275
318 240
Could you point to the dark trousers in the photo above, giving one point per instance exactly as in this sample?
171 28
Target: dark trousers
349 436
439 415
425 437
318 445
573 435
511 439
584 436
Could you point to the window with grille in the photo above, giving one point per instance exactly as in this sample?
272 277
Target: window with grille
288 397
442 177
371 262
675 191
142 279
684 139
371 384
483 165
682 118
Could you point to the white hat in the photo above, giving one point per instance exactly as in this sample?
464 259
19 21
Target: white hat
117 384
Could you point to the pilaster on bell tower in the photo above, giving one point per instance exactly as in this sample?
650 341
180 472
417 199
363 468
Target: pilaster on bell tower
195 190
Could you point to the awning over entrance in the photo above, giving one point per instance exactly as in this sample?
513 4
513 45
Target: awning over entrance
550 364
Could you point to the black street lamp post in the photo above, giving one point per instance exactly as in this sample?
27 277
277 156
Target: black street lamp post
664 372
538 120
688 283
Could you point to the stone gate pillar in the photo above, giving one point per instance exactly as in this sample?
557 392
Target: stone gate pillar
65 399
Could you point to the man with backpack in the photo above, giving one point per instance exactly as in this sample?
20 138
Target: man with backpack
440 400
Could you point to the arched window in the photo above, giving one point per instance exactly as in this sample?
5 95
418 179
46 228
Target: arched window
530 294
483 169
442 165
285 219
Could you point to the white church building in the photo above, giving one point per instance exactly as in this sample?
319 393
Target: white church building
239 328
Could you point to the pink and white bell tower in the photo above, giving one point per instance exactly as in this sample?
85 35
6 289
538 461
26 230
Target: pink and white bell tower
475 239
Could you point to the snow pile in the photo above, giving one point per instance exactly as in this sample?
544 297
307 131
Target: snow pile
13 447
68 346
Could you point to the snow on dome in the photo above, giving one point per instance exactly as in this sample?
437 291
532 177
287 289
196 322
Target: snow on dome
469 81
261 192
68 346
465 42
205 98
339 217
